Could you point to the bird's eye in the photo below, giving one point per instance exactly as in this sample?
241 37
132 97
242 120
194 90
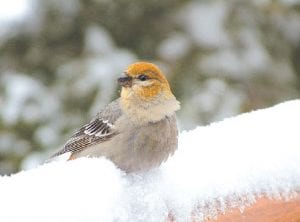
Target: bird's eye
143 77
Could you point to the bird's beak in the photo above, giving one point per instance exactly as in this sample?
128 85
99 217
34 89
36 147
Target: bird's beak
125 81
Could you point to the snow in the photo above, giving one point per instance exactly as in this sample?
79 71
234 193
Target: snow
13 10
175 47
214 100
103 64
98 41
223 165
12 13
243 63
21 101
204 23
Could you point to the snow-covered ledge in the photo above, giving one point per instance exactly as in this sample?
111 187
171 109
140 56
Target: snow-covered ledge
218 167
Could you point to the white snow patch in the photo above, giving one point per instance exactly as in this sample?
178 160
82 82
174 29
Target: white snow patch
244 63
204 22
214 100
21 101
98 41
175 47
13 10
223 165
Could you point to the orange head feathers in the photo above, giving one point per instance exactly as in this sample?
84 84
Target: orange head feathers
145 81
146 95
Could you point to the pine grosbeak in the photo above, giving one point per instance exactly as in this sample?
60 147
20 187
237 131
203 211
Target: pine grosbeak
137 131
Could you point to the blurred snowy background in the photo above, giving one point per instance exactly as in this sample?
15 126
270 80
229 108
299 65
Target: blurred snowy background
59 61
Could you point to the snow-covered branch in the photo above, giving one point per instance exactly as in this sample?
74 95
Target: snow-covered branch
216 167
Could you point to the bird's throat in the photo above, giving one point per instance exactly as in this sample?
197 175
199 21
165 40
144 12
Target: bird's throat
141 112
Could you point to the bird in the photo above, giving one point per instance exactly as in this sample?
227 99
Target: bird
137 131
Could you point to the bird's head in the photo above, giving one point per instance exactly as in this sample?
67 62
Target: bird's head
146 95
145 81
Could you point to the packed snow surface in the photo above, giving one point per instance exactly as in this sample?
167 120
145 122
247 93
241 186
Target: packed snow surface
226 164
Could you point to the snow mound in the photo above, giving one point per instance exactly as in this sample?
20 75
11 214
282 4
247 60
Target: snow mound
216 167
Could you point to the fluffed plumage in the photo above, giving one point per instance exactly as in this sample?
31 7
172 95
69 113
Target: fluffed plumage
138 131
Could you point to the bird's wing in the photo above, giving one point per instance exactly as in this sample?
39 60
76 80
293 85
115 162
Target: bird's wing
99 129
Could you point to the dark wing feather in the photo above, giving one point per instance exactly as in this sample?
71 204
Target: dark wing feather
100 129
